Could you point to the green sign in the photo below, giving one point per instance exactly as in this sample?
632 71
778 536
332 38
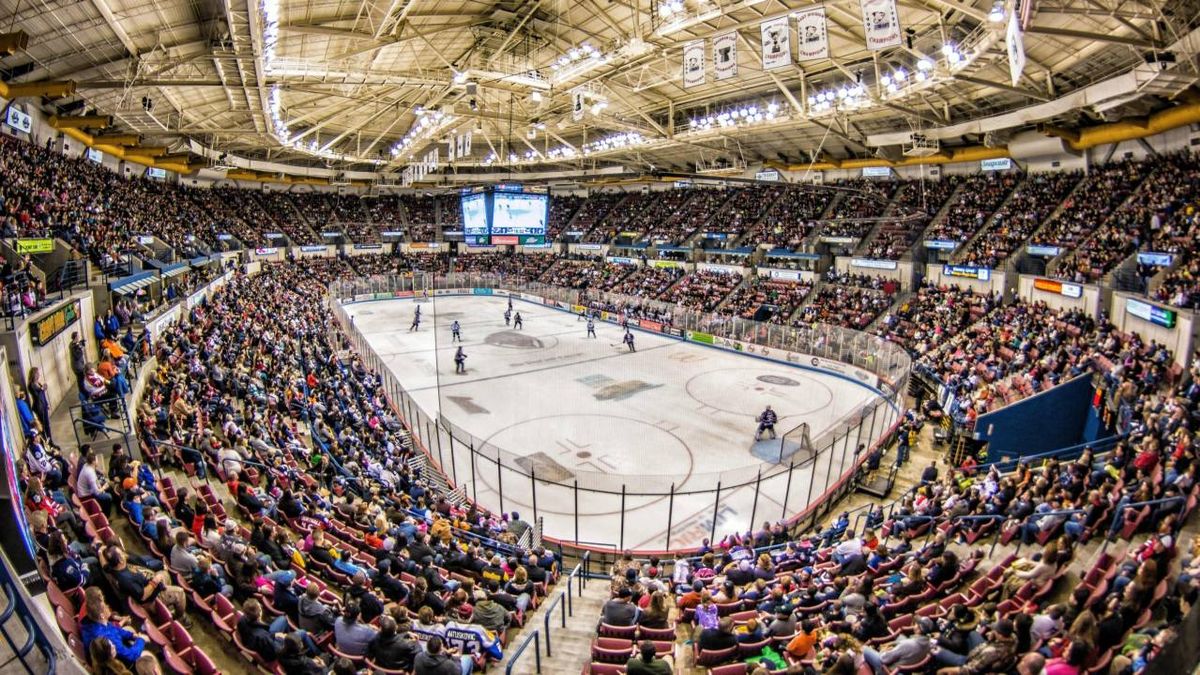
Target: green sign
34 246
703 338
48 327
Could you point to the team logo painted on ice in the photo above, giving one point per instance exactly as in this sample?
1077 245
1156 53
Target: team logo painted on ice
619 391
512 339
779 380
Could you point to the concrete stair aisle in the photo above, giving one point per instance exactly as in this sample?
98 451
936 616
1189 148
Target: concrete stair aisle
725 301
991 220
872 234
1067 256
569 647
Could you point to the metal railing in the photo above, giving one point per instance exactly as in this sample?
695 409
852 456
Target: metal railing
578 572
537 652
36 638
803 489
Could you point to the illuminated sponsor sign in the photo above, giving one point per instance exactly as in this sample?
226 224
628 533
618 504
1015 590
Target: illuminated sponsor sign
48 327
1060 287
876 171
1145 311
43 245
1155 259
941 244
871 263
962 272
998 164
1043 251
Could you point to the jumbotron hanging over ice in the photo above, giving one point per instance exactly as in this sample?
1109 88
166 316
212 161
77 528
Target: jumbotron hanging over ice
495 215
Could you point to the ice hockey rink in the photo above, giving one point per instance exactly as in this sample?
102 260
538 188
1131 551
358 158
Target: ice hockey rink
673 416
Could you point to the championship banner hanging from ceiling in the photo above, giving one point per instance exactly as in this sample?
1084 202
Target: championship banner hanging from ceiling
693 64
725 56
1014 41
577 105
810 30
881 23
776 43
467 144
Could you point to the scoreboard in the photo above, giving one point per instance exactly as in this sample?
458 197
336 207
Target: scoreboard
505 214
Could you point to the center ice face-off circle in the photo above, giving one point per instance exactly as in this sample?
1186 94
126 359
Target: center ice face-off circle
600 451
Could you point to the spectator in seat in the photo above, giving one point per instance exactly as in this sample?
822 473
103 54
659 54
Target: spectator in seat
492 616
104 659
706 611
804 641
352 637
996 655
295 660
647 662
394 648
721 637
142 588
261 639
98 624
89 483
315 616
905 651
619 611
657 613
437 659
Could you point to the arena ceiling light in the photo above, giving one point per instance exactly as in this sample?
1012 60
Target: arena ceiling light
428 124
746 115
678 18
614 142
270 32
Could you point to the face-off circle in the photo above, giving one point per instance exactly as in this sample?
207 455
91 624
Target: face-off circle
600 451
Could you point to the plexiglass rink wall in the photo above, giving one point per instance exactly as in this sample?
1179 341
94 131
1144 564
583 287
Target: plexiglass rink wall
649 511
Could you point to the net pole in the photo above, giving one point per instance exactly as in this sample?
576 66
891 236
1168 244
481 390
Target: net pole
670 516
500 480
787 491
453 462
621 544
754 507
474 487
533 487
716 509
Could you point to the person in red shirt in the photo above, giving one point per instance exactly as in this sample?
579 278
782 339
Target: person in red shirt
691 598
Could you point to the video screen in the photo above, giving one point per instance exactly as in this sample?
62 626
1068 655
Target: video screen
475 226
516 214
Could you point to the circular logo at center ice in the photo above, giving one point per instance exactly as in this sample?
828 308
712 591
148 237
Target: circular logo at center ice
778 379
512 339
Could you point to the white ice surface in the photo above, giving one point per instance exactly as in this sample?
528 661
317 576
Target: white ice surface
587 410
